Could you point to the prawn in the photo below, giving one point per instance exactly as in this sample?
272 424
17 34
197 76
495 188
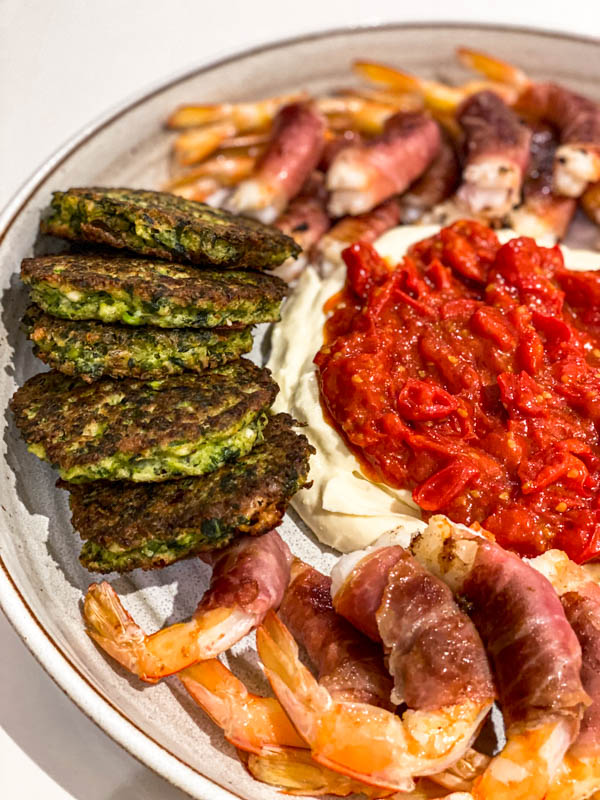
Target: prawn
297 141
259 726
542 211
362 176
496 143
353 735
364 227
305 220
577 118
243 117
349 665
365 742
535 654
579 774
248 578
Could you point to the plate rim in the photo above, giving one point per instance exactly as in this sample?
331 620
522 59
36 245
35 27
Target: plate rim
97 706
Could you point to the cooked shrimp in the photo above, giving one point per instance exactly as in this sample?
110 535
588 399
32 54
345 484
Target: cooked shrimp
435 186
460 776
337 715
364 227
243 116
249 577
439 97
259 726
579 774
363 741
363 176
253 723
225 169
212 175
534 652
296 772
335 143
198 143
497 154
577 118
349 665
298 138
495 141
542 212
305 220
366 115
202 190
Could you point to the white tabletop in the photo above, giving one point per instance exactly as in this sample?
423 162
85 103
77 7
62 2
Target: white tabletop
63 63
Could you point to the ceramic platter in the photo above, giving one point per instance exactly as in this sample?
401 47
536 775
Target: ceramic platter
41 580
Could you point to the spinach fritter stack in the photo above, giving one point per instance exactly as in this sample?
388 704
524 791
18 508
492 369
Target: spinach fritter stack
160 431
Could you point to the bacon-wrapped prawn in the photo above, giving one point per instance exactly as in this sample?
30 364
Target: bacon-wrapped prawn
249 578
496 143
542 211
336 144
577 119
294 151
579 774
496 155
534 652
305 220
435 186
348 664
365 228
363 740
363 176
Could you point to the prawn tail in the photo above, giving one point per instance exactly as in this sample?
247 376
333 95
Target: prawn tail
527 764
253 724
298 691
111 626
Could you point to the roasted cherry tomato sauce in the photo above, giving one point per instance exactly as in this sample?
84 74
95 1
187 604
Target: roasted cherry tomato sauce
470 374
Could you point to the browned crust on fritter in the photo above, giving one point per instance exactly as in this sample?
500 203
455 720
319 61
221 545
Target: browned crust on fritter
56 411
151 280
247 496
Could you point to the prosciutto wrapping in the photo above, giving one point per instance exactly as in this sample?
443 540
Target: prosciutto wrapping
577 119
542 211
534 652
349 665
496 155
436 184
536 655
363 176
582 609
251 574
435 654
249 578
364 227
579 774
293 153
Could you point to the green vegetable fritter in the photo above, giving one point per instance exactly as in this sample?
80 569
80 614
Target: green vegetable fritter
166 226
139 525
129 430
139 291
93 350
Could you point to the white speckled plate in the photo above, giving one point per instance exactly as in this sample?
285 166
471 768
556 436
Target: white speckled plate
41 581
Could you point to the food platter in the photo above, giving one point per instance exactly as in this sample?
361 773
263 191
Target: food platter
41 581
